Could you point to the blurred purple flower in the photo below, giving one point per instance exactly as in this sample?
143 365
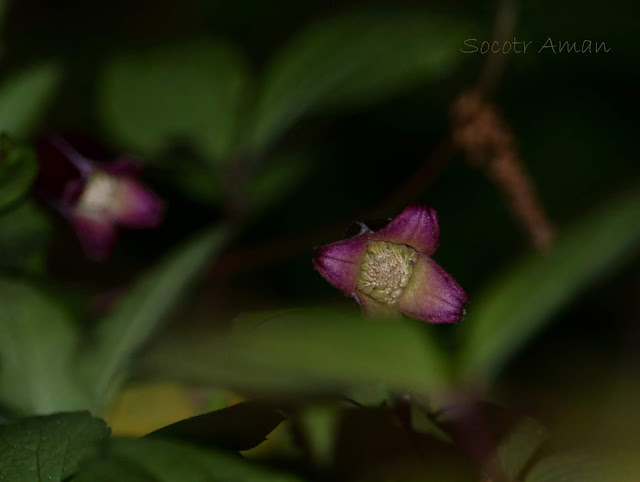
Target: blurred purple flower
96 197
390 270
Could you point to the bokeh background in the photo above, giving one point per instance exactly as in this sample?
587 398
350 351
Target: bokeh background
164 81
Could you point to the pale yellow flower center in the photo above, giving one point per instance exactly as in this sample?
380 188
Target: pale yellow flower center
101 194
386 270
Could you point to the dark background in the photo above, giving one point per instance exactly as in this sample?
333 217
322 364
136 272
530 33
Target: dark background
574 118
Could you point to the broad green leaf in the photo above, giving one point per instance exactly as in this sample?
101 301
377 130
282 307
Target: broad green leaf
308 350
25 95
24 233
140 311
37 342
49 448
353 59
167 461
239 427
190 92
18 169
518 304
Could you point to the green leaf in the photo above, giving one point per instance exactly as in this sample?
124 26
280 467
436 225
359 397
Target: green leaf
239 427
353 59
24 233
37 342
167 461
524 299
50 448
25 95
189 92
18 169
307 350
141 310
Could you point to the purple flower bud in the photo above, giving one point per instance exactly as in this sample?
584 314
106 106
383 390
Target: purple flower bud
96 197
390 271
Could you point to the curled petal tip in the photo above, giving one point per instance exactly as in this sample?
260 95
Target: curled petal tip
432 294
417 226
339 263
139 207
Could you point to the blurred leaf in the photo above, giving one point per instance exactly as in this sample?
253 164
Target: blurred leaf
518 447
18 169
114 470
524 299
319 425
133 415
497 439
25 95
166 461
278 178
371 394
307 350
51 448
37 342
353 59
256 320
141 310
195 180
240 427
24 232
186 92
422 422
584 467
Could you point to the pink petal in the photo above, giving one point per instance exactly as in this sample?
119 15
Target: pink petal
416 226
97 234
137 206
339 263
431 294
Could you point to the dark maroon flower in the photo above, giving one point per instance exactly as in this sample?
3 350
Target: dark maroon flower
96 197
390 270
